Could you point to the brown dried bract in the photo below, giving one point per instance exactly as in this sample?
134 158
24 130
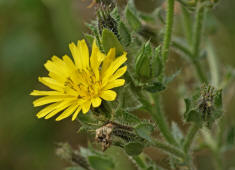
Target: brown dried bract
103 135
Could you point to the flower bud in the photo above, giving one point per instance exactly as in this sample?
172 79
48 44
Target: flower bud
143 63
205 106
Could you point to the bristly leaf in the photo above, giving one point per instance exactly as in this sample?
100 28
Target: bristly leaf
170 78
89 38
154 87
126 117
101 163
144 130
125 36
177 133
115 15
109 40
134 148
132 19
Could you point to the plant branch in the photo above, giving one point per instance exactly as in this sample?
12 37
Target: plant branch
190 136
169 149
160 120
187 24
197 33
168 29
139 162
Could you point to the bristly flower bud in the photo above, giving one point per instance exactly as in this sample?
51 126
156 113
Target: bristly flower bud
205 106
143 63
105 20
148 67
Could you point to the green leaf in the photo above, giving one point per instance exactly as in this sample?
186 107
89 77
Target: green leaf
191 113
170 78
124 34
144 130
124 116
129 99
132 19
90 38
101 163
133 148
177 133
154 87
109 40
115 15
193 116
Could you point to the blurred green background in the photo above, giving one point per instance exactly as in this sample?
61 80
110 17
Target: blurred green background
31 31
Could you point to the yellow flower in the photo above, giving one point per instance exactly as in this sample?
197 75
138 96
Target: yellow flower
78 85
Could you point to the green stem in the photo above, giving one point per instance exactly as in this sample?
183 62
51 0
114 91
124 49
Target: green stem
197 33
168 29
187 24
169 149
182 48
156 112
160 120
190 136
213 65
139 162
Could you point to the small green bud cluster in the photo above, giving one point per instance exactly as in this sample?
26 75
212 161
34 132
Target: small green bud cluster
205 106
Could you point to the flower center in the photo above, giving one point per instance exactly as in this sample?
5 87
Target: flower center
83 84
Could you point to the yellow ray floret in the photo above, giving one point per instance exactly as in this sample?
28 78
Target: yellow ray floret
78 84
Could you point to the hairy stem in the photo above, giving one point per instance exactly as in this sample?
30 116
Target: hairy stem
139 162
190 136
197 33
156 111
169 149
187 24
168 29
160 120
214 71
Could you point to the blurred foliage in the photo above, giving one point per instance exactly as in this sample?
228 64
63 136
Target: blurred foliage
31 31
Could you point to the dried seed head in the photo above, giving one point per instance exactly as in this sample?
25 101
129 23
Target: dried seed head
103 135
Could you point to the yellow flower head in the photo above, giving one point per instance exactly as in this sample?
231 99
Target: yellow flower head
78 85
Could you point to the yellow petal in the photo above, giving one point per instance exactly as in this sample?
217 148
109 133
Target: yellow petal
46 110
86 107
108 95
115 83
59 108
46 100
45 93
119 73
114 66
51 83
76 113
67 112
69 62
84 53
96 102
96 58
76 55
108 59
